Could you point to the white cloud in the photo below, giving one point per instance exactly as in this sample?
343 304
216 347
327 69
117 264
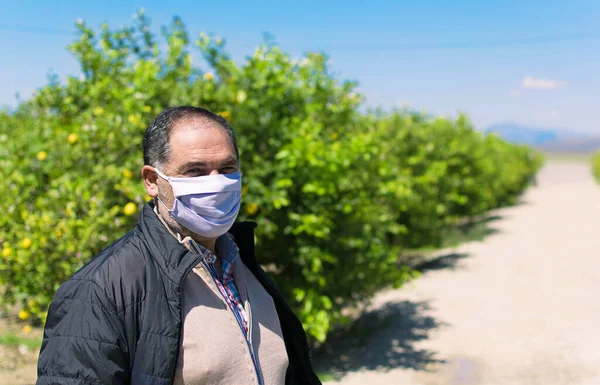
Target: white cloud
542 84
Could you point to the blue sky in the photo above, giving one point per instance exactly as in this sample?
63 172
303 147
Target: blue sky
530 62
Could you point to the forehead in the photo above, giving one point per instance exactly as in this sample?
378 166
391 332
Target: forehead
194 140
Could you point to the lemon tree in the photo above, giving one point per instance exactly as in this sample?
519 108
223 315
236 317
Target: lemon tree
337 193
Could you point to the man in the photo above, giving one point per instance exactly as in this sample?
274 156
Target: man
180 299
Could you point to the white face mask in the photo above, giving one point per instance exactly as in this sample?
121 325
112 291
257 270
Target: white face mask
206 205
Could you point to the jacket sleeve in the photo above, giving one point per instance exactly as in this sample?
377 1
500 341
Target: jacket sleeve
83 338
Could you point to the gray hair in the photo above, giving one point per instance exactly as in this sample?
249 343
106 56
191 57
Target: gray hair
156 138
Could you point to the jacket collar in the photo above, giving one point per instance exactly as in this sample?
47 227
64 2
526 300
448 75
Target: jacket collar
174 258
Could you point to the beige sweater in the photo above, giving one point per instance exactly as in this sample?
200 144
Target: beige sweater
214 350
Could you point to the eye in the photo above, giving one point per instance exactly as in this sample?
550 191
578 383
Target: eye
195 171
228 170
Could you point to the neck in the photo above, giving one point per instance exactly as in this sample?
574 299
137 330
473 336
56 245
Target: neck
209 243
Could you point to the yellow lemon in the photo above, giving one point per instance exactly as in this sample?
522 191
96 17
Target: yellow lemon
241 96
26 243
209 76
24 314
148 198
129 209
252 208
27 329
72 138
244 190
136 119
147 108
42 155
127 174
6 251
226 115
98 111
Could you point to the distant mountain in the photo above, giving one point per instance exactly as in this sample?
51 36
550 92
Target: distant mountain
547 139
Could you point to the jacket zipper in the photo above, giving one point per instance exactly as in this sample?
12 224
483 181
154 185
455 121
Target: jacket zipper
246 337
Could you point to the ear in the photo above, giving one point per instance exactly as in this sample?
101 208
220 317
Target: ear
150 180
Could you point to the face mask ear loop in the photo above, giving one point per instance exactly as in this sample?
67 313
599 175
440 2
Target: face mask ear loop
160 174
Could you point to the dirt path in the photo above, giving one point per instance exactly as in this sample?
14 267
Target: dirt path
522 307
18 361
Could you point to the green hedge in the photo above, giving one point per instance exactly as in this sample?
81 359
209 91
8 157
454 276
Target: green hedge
596 166
450 172
337 193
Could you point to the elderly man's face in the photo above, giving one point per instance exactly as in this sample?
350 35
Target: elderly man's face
196 149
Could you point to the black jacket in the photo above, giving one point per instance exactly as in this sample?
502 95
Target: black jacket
118 319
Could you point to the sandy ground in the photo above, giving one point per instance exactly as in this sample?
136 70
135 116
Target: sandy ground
18 363
522 307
